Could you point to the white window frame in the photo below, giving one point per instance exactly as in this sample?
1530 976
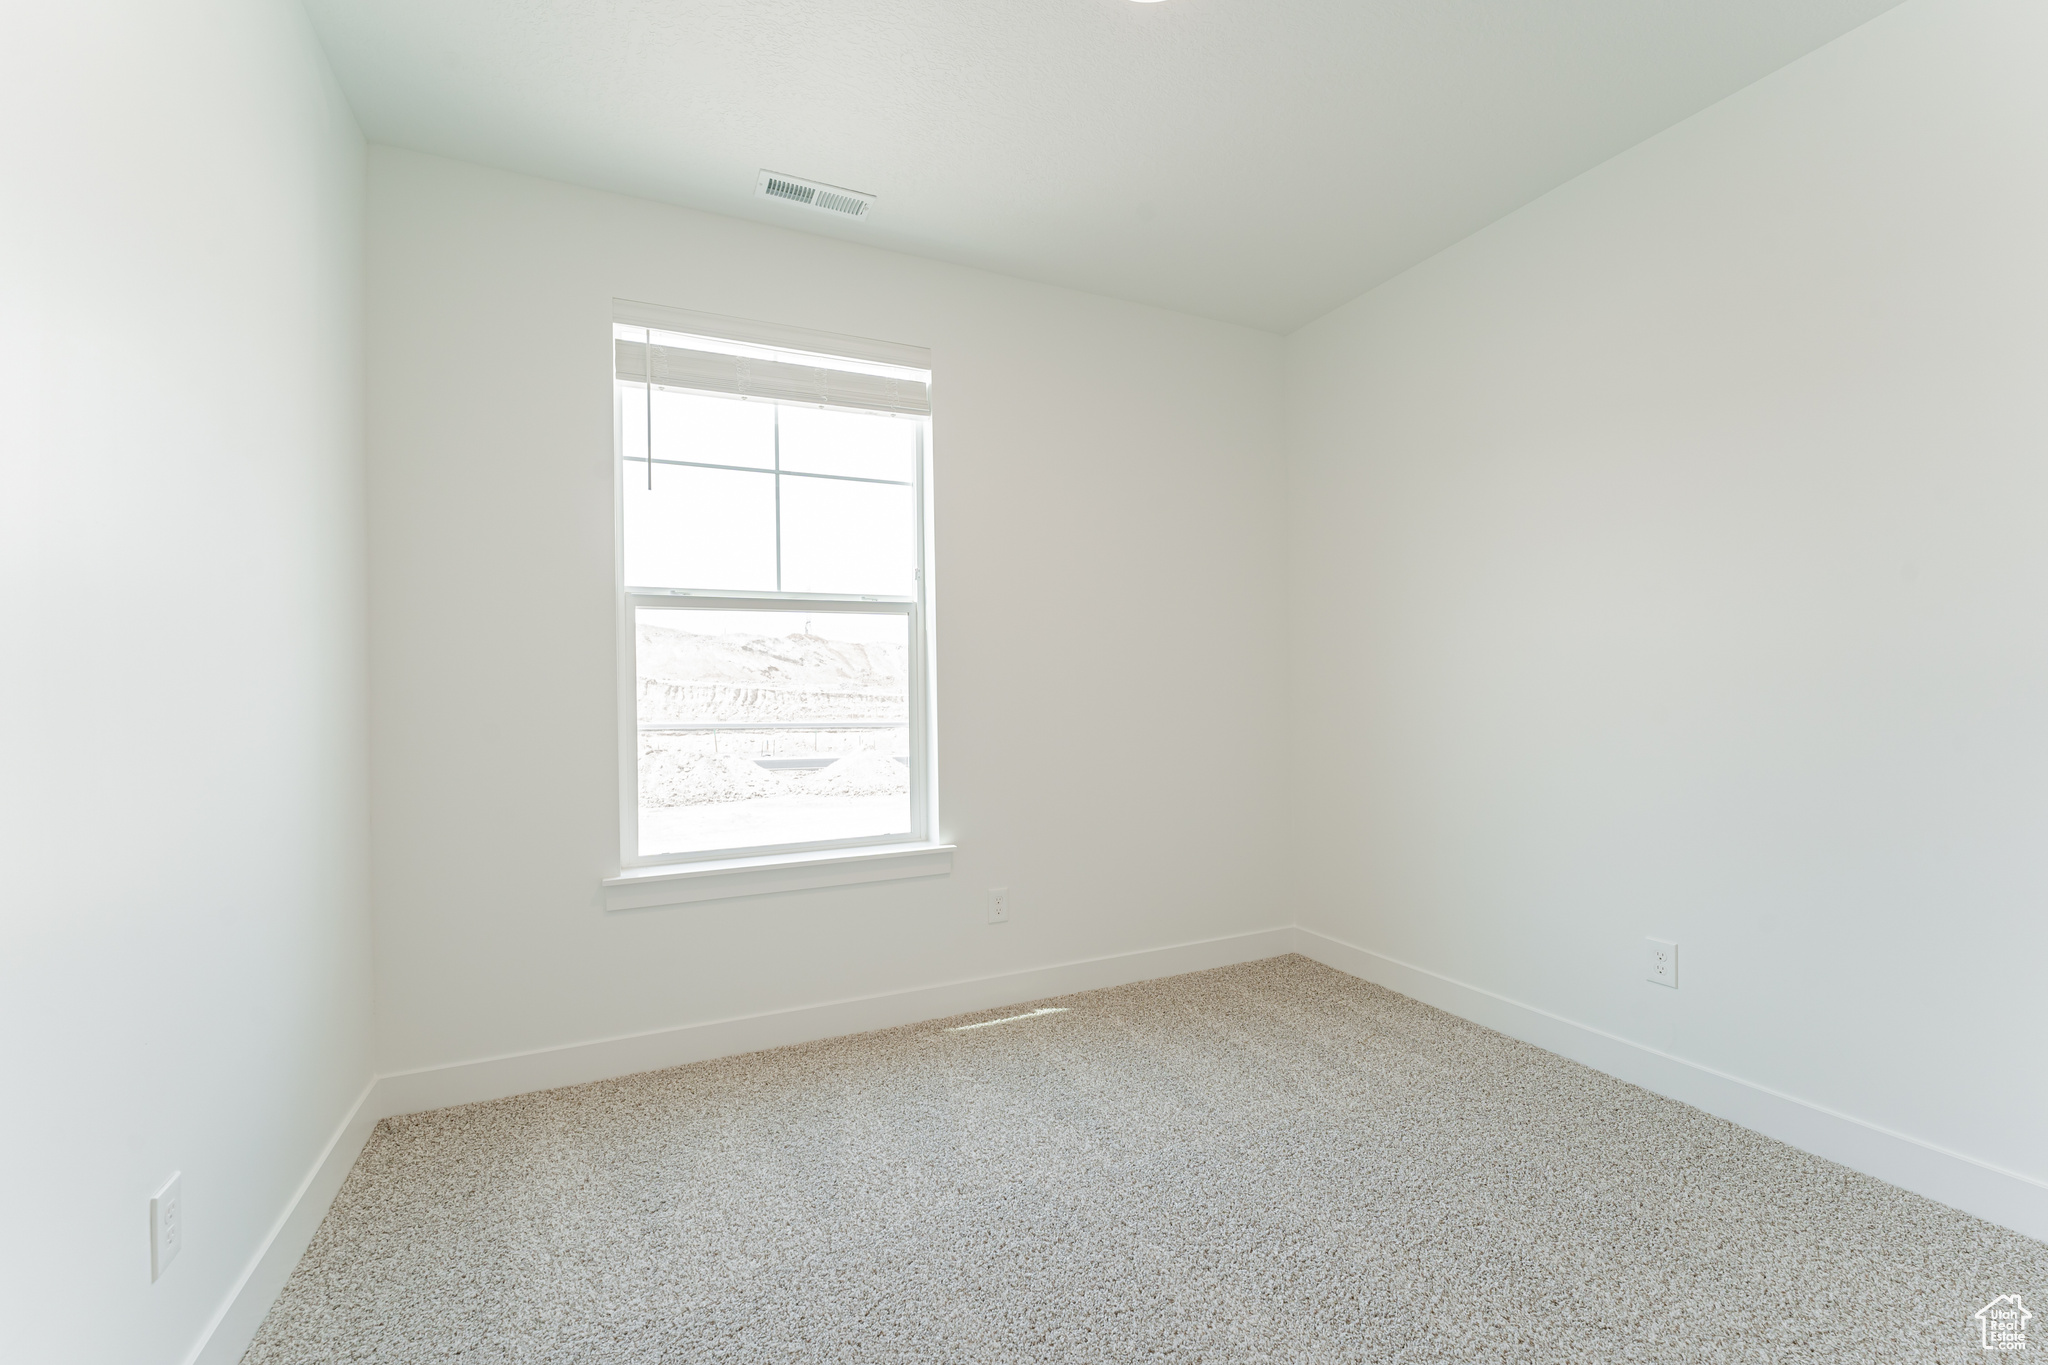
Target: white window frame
648 879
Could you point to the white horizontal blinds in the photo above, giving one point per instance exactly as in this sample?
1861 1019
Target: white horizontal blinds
782 381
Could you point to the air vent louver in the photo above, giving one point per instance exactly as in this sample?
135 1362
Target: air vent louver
812 195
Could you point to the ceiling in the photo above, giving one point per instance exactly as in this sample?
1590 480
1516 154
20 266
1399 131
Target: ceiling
1259 161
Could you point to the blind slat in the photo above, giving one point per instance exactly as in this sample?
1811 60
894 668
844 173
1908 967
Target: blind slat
678 367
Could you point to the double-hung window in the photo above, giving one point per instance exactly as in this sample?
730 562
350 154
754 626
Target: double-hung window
773 636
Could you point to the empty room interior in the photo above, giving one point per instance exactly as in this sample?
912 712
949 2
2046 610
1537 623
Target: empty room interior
1065 680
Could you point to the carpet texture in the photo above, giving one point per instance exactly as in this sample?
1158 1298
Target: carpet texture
1272 1162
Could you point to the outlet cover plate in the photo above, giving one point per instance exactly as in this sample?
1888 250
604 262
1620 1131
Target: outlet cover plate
1661 962
166 1226
999 905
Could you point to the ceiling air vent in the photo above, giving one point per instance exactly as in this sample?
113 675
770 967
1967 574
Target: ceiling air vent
812 195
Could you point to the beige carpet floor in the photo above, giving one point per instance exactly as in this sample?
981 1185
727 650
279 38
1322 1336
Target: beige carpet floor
1271 1162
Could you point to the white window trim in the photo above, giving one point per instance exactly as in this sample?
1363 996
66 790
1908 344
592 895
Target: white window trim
644 888
769 334
672 879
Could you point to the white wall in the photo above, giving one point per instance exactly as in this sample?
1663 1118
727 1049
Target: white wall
184 932
1108 517
1669 559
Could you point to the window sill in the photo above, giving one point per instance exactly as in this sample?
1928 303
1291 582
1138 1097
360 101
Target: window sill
642 888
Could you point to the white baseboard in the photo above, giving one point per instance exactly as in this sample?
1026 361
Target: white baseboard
1962 1182
497 1077
234 1326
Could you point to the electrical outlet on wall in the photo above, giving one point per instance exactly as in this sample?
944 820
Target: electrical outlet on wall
166 1226
999 905
1663 961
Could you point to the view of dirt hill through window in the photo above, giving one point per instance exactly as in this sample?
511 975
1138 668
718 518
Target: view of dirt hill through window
783 726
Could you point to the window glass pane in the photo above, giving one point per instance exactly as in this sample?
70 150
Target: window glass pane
688 426
760 728
699 528
863 445
847 537
632 413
